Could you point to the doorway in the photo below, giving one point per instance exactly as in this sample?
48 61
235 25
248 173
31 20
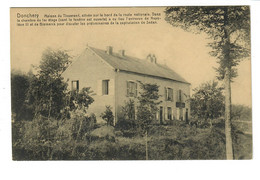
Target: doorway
186 115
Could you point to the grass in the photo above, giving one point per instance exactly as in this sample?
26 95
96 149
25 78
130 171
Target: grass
165 142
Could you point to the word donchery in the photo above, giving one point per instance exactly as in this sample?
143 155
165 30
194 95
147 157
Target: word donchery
29 15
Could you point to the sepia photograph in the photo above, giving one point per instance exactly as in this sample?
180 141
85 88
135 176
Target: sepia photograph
131 83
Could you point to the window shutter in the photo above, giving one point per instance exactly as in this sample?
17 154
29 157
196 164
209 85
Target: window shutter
172 114
111 89
165 113
99 87
127 88
165 93
77 85
172 95
183 97
180 96
178 114
177 95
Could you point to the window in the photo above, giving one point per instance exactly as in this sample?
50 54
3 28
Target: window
105 87
168 94
169 113
131 89
75 85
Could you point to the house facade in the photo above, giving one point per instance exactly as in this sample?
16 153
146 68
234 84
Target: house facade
114 79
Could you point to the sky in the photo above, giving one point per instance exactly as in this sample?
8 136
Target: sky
184 52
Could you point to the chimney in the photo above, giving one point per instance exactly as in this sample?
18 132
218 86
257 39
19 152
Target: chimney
109 50
122 52
151 58
154 59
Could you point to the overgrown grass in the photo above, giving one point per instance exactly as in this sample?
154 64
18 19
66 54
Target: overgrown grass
179 141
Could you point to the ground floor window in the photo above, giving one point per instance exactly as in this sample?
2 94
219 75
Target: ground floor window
180 114
169 113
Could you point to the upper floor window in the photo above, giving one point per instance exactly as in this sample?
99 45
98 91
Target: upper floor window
105 87
168 94
75 85
131 89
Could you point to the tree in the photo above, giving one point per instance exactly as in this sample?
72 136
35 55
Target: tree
229 29
128 110
207 102
80 100
49 138
19 86
147 107
47 88
108 116
241 112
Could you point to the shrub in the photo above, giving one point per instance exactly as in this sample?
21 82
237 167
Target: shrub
207 102
19 87
108 116
241 112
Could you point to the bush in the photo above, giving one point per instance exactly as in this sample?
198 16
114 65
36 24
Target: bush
126 127
207 102
108 116
19 88
241 112
47 139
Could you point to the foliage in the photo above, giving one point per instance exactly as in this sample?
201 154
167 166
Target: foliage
147 104
241 112
61 121
128 110
47 95
47 88
108 116
229 29
36 139
77 101
48 139
207 102
126 123
82 99
53 63
19 86
179 142
227 26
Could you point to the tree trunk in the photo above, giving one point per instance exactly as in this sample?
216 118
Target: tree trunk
229 147
227 81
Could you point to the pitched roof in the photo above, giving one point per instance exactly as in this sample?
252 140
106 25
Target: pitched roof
135 65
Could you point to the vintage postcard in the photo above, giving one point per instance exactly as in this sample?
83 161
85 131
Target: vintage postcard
131 83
